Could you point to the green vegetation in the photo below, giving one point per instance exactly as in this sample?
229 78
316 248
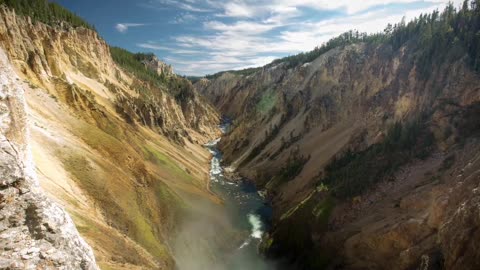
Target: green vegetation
344 39
193 79
355 172
117 246
46 12
292 238
266 102
129 207
126 217
437 35
293 166
132 63
451 33
243 72
269 136
179 87
54 14
286 143
168 165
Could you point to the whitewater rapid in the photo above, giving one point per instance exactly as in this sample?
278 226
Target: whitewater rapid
217 176
247 210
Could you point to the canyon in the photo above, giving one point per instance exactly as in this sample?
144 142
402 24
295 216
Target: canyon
323 139
121 157
367 156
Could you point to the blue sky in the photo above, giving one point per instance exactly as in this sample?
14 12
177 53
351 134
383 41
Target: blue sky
199 37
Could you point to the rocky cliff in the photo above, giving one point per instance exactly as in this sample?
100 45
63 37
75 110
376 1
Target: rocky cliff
161 68
35 232
364 157
122 154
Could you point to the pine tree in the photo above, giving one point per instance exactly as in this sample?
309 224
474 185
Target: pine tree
46 12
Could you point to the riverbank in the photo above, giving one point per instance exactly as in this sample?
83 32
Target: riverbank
247 211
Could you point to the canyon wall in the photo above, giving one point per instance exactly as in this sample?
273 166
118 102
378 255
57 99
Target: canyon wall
122 156
304 133
35 231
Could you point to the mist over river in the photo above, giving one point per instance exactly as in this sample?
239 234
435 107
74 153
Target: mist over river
226 236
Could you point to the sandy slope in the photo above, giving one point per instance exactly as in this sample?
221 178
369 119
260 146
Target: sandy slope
128 185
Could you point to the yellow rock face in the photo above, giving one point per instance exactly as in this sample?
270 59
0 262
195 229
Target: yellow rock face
125 166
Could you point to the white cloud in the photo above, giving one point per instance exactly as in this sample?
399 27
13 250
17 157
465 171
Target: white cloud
216 63
233 9
240 27
187 5
152 46
255 8
184 18
249 8
247 33
123 27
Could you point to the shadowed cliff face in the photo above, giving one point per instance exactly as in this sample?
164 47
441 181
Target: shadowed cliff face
364 158
123 156
291 124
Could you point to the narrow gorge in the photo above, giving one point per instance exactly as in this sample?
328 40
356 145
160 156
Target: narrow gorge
361 154
369 162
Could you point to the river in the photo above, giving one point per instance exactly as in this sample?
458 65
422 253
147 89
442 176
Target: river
247 211
223 235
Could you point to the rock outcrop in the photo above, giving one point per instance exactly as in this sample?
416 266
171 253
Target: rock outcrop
54 57
290 123
161 68
122 156
344 100
35 232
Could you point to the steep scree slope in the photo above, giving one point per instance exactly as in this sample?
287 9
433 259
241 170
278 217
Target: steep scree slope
360 113
36 233
122 155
